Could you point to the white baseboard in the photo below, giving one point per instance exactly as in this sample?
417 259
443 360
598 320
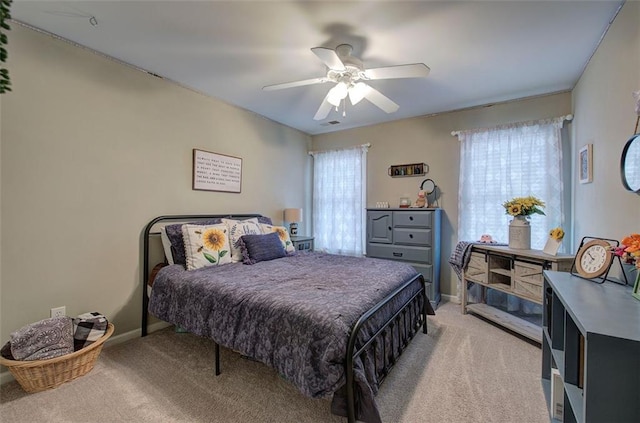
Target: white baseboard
450 298
6 376
132 334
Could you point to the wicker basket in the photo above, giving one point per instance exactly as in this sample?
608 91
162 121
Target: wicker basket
40 375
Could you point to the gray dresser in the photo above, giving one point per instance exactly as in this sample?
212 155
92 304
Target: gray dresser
410 235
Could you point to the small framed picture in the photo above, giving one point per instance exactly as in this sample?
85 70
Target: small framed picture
585 164
636 289
552 246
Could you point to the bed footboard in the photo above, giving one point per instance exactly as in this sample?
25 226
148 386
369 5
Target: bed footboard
389 341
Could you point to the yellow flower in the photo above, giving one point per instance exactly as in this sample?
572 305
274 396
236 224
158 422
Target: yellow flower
282 233
556 233
515 209
523 206
214 239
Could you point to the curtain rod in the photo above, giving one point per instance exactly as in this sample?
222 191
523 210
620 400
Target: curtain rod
366 145
565 117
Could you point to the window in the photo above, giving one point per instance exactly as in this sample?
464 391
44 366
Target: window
339 198
508 161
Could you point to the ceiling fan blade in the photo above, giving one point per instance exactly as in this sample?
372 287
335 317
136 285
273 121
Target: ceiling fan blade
294 84
415 70
329 57
379 99
324 109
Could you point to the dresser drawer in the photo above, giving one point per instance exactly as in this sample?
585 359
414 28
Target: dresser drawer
400 252
425 269
527 272
412 236
409 218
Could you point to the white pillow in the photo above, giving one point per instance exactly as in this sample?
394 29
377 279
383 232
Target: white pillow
237 228
166 245
206 245
283 234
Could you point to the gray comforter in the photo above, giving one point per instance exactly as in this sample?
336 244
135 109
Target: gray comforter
293 314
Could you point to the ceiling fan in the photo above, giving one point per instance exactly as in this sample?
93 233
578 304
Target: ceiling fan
348 73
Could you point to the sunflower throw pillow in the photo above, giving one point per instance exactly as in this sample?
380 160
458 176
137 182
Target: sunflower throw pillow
283 234
206 245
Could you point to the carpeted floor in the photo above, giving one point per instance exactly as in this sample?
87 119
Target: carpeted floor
464 370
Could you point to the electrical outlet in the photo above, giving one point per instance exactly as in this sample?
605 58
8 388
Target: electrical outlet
59 311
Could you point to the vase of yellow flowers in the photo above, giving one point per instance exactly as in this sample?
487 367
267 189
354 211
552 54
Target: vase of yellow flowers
519 227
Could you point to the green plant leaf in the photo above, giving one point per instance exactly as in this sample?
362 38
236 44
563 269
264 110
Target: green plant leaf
209 257
222 253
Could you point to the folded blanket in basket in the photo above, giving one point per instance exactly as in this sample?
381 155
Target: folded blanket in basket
48 338
88 328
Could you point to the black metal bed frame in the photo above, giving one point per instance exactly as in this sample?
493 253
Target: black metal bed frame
386 344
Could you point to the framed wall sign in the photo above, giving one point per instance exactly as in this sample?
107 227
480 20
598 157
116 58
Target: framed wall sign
585 164
216 172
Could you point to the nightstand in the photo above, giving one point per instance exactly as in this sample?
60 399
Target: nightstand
302 243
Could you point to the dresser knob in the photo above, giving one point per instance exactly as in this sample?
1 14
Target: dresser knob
390 228
410 217
411 236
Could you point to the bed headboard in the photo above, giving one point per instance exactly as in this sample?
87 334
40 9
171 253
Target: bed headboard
152 231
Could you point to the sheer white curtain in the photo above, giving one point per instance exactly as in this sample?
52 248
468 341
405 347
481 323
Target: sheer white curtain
508 161
339 199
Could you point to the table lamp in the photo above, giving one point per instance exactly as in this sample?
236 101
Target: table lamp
293 216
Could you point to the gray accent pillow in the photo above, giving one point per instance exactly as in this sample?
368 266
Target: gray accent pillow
257 248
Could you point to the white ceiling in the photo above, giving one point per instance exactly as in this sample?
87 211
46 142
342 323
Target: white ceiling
479 52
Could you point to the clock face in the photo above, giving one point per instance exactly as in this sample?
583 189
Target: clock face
593 259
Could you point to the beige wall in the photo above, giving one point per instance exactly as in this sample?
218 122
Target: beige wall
605 117
429 139
91 151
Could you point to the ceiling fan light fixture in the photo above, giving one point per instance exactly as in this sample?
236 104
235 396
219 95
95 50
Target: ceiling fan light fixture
337 94
347 72
357 92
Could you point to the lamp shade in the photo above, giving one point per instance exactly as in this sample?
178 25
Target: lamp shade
293 215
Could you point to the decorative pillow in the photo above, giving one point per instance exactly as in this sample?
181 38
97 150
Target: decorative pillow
174 233
237 228
265 220
283 233
206 245
166 245
175 252
256 248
